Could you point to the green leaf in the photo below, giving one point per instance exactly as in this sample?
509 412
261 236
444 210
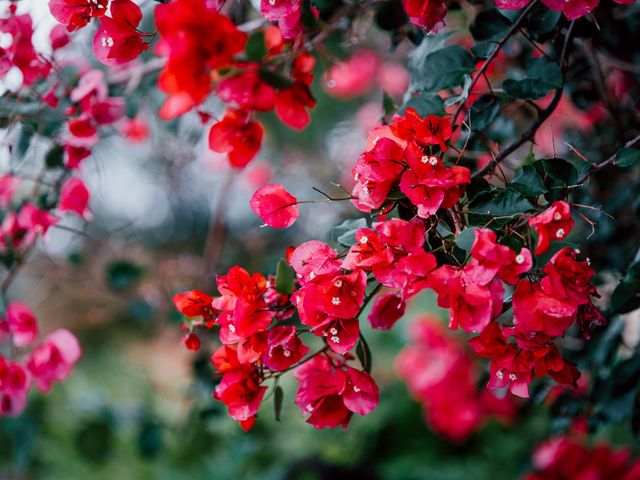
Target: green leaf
463 95
627 157
541 20
425 104
557 175
626 296
388 106
499 206
528 182
54 158
489 25
285 278
278 397
465 239
256 48
274 79
444 68
344 233
483 112
542 76
121 275
391 16
364 354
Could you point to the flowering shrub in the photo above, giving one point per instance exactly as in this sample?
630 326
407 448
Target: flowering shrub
446 198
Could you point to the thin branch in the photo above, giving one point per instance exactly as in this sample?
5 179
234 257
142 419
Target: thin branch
530 132
514 29
611 160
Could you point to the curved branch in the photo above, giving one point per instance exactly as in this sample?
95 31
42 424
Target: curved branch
528 134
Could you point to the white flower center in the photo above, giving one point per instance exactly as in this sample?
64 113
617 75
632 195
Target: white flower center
232 329
356 389
336 300
286 353
560 233
512 376
335 339
557 216
500 375
337 283
519 259
107 42
364 240
333 331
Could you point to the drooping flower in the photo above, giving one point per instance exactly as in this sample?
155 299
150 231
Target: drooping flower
22 324
238 136
275 206
75 197
554 223
118 41
54 359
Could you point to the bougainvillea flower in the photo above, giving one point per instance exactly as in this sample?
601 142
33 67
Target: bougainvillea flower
22 324
511 4
239 387
292 105
353 77
430 130
428 14
383 163
8 186
554 223
247 90
313 259
192 342
14 388
77 13
275 206
58 37
284 348
490 259
118 41
194 303
238 136
535 311
196 40
21 53
572 9
342 334
330 392
568 279
386 311
368 252
441 375
402 235
75 197
54 359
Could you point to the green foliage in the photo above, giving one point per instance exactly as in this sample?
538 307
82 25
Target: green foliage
285 278
542 75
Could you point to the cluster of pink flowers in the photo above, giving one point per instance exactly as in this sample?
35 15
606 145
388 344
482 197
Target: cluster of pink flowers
38 363
568 458
200 44
443 376
331 288
117 40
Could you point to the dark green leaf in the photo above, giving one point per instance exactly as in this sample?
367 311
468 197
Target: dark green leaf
255 48
627 157
443 68
387 104
500 206
425 104
278 397
626 296
344 233
122 275
274 79
55 157
94 441
285 278
483 112
541 20
489 25
528 182
542 75
391 16
364 354
465 239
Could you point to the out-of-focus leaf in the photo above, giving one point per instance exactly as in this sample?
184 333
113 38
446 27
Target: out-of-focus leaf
627 157
255 48
122 275
542 76
444 68
626 296
425 104
285 277
489 24
344 233
483 112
